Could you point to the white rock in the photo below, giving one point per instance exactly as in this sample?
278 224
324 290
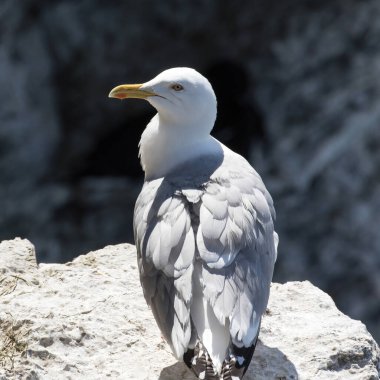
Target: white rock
88 319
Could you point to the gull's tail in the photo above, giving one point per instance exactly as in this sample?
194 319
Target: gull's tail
234 367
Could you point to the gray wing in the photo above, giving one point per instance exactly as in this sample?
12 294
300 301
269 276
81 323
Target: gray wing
237 244
226 219
165 246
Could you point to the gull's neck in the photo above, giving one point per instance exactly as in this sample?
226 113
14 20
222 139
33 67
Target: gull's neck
163 147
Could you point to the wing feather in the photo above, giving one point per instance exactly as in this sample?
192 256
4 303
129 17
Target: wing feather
221 225
165 247
237 248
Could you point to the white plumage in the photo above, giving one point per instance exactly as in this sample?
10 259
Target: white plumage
203 227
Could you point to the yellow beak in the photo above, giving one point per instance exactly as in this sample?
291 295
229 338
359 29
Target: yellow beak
130 91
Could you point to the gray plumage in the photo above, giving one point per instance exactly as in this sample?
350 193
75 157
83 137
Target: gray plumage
203 227
209 223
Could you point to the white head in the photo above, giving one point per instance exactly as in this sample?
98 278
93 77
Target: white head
182 97
186 106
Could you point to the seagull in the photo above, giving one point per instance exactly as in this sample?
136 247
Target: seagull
203 227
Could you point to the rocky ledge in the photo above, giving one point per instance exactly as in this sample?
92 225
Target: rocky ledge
87 319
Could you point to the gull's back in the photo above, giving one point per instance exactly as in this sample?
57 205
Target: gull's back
206 251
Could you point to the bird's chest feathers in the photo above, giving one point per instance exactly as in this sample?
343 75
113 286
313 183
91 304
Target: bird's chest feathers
163 148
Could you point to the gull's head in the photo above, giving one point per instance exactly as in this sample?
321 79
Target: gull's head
182 97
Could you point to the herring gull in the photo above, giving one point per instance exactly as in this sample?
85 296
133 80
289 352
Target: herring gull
203 227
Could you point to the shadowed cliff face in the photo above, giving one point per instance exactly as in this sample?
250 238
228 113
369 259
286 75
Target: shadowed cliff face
307 116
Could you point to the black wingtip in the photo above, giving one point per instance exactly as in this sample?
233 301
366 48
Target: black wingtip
188 357
238 362
235 366
199 361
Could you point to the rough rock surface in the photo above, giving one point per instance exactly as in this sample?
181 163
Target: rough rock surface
87 319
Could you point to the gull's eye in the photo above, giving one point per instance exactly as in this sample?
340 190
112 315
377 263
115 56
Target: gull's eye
177 87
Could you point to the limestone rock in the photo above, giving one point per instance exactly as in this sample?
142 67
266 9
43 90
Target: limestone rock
312 69
87 319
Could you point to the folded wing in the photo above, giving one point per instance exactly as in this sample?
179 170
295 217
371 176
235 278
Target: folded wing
165 246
